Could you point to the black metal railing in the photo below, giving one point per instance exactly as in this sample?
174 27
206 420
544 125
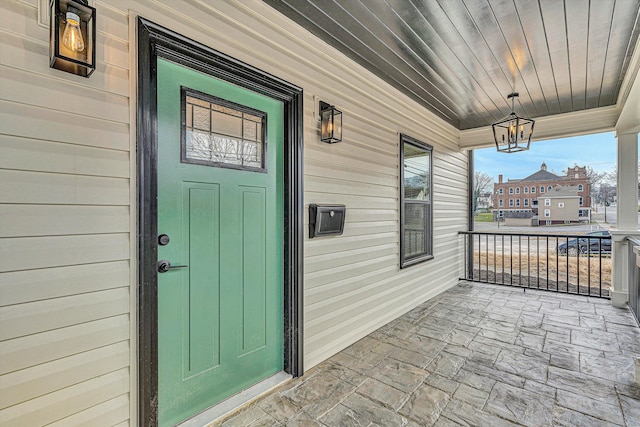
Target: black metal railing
567 263
634 278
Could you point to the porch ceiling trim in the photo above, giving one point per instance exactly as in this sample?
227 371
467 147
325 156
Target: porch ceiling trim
583 122
629 99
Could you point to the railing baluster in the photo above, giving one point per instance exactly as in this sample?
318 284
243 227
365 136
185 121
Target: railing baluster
486 251
528 262
511 259
588 266
557 266
503 282
495 269
600 267
567 282
519 260
577 266
548 261
538 263
465 255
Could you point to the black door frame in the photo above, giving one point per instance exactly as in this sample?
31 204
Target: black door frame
155 41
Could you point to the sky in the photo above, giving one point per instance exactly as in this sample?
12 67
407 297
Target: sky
597 151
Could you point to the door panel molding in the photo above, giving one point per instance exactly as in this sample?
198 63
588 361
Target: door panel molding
155 41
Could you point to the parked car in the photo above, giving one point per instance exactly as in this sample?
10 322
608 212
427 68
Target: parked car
585 244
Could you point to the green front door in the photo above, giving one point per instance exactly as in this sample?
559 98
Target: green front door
220 207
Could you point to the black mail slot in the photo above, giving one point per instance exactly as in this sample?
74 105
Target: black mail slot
325 220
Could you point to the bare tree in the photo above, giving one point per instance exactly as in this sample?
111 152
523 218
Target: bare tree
482 183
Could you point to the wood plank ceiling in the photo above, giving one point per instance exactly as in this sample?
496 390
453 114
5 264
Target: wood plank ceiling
461 58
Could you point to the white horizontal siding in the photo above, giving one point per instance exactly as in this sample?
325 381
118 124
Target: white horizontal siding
66 298
65 228
26 384
29 121
56 220
34 349
34 317
62 189
19 287
45 156
25 253
72 401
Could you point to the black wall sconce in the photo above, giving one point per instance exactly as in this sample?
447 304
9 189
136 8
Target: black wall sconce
72 36
331 119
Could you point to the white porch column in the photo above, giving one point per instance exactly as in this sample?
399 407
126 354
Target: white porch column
627 215
627 208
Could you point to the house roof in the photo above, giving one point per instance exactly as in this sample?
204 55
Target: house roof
542 175
561 191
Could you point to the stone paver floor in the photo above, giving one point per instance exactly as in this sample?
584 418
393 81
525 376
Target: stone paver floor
476 355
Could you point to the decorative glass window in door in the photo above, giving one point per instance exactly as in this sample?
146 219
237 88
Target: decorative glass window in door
217 132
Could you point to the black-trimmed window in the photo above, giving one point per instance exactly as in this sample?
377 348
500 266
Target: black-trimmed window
416 201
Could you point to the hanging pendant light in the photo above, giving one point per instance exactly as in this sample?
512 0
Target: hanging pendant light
513 133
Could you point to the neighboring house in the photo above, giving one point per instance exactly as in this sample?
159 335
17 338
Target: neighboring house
485 200
561 205
521 195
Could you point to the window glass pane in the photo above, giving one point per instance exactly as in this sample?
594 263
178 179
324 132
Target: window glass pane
198 145
200 102
227 124
226 110
416 173
252 130
216 133
201 118
415 216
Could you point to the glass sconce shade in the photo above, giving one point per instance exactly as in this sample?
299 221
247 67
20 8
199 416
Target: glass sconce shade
331 119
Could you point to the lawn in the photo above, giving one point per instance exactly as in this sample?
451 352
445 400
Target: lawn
484 217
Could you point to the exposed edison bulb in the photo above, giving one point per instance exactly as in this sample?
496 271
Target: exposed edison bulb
72 36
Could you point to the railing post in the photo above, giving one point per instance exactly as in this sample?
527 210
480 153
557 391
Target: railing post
634 279
620 271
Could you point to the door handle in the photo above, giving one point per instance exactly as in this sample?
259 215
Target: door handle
164 266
